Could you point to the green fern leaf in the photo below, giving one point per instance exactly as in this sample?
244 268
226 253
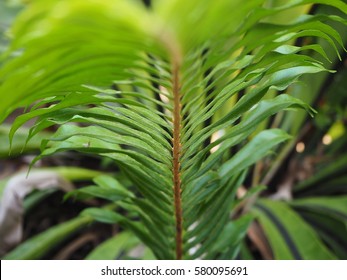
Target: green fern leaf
147 88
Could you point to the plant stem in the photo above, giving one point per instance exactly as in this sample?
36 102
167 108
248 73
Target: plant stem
169 41
176 160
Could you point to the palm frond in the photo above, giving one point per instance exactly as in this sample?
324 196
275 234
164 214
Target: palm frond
141 87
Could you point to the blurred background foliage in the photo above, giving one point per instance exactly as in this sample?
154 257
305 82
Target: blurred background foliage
301 212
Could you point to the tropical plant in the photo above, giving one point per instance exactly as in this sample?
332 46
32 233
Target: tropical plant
311 181
176 94
308 173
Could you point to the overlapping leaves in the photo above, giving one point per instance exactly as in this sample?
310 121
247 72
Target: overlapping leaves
104 73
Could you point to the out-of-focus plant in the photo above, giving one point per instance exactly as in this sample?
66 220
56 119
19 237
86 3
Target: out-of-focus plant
178 95
307 176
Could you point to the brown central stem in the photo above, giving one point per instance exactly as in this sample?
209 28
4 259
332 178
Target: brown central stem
176 160
174 50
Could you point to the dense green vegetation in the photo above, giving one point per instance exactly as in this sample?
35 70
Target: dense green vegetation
196 116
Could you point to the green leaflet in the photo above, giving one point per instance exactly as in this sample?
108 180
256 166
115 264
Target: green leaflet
334 206
261 111
39 245
103 215
109 216
288 234
257 148
93 191
232 235
18 145
108 182
112 248
328 216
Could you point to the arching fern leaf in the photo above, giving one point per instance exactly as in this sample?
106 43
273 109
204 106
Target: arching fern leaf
151 89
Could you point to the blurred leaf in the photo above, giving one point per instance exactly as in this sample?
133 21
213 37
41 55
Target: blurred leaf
19 145
232 236
334 206
150 95
113 248
290 237
39 245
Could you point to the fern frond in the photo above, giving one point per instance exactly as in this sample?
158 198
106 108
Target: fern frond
148 88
